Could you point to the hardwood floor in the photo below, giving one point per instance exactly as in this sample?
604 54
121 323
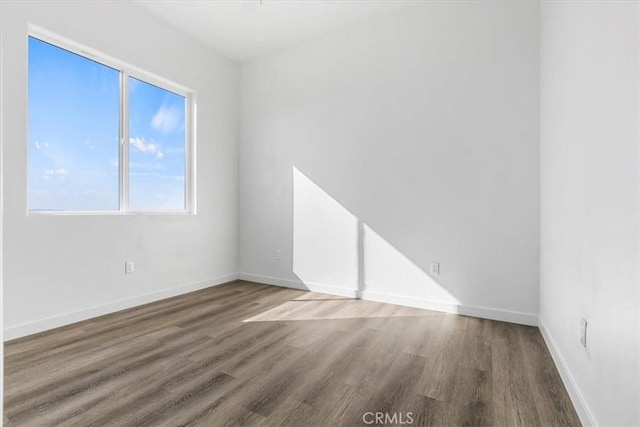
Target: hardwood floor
250 354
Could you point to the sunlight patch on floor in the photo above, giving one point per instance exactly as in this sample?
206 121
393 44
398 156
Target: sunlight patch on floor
317 306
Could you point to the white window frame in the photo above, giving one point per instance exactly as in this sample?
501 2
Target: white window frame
126 71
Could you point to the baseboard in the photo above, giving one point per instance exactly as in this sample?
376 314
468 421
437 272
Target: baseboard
274 281
579 403
24 329
473 311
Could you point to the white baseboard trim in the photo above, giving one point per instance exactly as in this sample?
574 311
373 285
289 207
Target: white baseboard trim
24 329
579 403
473 311
274 281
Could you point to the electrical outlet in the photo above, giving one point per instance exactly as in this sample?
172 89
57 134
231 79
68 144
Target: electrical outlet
278 255
128 267
583 332
435 268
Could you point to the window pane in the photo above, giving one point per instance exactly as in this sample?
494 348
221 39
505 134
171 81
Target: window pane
156 148
73 131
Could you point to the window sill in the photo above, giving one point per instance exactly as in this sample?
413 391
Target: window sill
106 213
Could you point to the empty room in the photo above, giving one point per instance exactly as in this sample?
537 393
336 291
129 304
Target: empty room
320 213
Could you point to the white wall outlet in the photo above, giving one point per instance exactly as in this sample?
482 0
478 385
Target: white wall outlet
583 332
435 268
277 255
128 267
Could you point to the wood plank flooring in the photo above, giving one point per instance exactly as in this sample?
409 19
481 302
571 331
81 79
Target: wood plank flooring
250 354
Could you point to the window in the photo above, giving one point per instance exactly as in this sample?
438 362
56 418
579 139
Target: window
104 137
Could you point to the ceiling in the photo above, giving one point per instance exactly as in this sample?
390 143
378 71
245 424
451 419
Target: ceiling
248 29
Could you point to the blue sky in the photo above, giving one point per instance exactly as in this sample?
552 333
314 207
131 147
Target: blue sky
74 132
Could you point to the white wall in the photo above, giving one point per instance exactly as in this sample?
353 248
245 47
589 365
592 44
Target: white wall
59 269
590 209
369 153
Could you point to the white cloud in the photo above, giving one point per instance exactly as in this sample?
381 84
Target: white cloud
166 119
41 145
56 172
143 146
59 171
